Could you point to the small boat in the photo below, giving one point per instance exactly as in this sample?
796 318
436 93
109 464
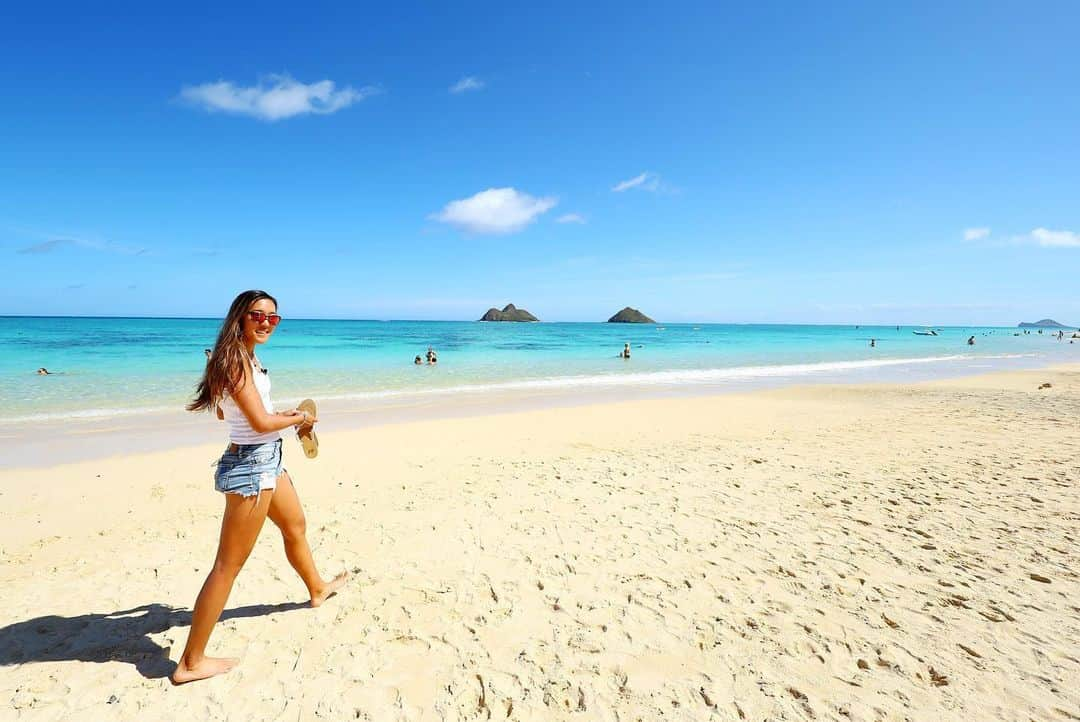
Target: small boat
929 332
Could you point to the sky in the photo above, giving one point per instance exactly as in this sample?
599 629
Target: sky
768 162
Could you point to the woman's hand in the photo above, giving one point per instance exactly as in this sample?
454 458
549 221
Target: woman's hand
303 418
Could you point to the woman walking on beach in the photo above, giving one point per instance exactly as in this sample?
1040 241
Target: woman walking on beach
249 473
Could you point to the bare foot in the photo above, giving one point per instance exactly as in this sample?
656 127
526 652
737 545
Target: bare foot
208 667
329 589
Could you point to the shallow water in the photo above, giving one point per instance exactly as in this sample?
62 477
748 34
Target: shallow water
118 366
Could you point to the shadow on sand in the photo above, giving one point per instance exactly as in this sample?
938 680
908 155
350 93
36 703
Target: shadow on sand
117 636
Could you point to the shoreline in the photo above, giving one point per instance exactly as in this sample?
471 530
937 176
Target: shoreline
883 551
98 374
67 440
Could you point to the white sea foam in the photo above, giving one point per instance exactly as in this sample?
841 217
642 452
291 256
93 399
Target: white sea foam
90 414
678 378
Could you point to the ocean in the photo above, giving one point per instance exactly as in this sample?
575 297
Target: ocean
106 367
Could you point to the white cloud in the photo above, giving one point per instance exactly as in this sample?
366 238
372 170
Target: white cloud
976 234
275 97
56 244
698 277
466 84
48 246
571 218
496 210
646 182
1059 239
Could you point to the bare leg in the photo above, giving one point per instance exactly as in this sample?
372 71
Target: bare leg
244 517
286 512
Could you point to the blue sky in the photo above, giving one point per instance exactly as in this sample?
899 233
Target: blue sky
904 163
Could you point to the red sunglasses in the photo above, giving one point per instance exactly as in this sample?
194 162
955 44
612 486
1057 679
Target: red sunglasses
260 316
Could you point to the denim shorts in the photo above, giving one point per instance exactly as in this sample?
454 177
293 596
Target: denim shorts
249 469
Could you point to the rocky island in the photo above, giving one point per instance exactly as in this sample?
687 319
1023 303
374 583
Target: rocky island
509 313
630 315
1045 323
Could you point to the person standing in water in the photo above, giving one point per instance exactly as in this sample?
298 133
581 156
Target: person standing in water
249 474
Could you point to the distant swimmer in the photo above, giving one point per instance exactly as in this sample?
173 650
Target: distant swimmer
971 340
208 353
418 361
432 358
43 371
873 342
625 351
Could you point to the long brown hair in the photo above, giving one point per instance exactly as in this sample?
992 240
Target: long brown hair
224 372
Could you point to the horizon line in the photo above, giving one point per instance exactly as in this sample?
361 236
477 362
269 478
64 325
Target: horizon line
452 320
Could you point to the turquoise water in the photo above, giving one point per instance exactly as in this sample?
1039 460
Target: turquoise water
108 366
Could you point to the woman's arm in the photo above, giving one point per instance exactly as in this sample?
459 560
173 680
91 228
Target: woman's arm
251 405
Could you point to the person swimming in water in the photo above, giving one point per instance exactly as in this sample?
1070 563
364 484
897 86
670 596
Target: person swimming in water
625 351
44 372
418 361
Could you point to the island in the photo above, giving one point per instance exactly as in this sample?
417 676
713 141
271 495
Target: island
509 313
630 315
1045 323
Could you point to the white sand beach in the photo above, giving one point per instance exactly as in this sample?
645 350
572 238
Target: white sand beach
886 552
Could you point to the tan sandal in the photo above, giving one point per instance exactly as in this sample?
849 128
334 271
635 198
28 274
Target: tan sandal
306 434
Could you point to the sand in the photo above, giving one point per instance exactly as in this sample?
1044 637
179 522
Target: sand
894 552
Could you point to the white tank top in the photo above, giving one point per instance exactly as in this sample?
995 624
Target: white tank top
240 431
